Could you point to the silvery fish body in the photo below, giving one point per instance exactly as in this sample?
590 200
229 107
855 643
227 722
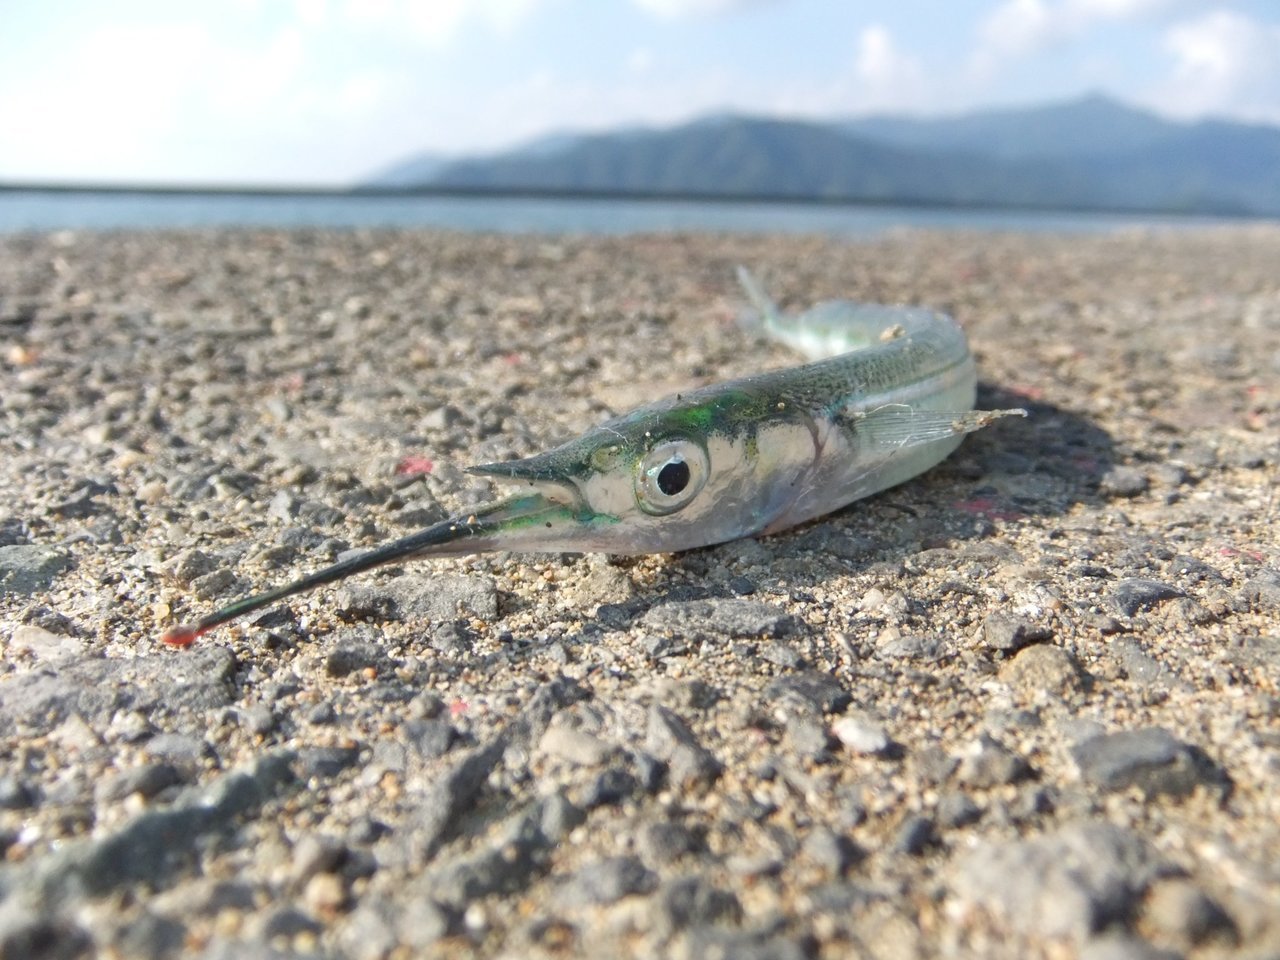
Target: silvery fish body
888 393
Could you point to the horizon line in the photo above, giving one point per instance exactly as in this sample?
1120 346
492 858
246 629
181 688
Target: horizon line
196 189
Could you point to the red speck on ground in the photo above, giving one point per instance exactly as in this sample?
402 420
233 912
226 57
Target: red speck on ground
1254 555
412 466
457 708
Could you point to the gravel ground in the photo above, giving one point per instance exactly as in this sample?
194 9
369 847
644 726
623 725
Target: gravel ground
1023 706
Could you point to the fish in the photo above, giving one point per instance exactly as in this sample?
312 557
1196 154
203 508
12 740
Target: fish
888 392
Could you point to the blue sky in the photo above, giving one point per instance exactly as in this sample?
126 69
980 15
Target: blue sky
328 91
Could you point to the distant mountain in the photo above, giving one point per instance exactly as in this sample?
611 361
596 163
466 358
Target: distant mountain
1091 126
1089 153
410 173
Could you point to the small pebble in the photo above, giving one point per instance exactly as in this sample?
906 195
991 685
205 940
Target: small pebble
1042 667
1151 759
1132 596
861 734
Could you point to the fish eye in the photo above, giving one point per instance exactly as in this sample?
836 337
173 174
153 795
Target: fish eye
670 475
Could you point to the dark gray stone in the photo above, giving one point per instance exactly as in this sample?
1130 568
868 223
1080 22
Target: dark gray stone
607 881
548 700
1134 595
1072 883
992 764
912 647
156 844
504 867
914 836
352 656
151 937
714 941
441 597
1151 759
452 794
363 601
610 787
830 851
366 830
29 935
190 565
326 762
314 854
242 791
660 843
96 688
1253 652
12 531
1262 593
657 647
319 514
811 690
1007 634
322 714
558 815
452 637
670 740
429 738
934 765
146 780
1138 666
781 655
956 809
1197 571
692 902
30 568
700 620
284 921
16 793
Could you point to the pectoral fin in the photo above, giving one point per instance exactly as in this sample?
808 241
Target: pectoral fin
898 426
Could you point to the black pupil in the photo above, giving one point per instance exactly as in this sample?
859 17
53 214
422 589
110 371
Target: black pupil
673 477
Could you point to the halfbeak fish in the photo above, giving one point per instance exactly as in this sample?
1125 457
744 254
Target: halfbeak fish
888 394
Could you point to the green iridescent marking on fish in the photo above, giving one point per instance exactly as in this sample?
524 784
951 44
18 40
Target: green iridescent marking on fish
889 394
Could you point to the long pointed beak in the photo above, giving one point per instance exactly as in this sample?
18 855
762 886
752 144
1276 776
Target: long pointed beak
519 522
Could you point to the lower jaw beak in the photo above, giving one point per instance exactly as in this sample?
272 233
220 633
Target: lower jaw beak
533 521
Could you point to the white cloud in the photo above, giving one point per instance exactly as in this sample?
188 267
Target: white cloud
1224 62
310 13
1017 27
437 21
132 93
887 78
1020 28
672 9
